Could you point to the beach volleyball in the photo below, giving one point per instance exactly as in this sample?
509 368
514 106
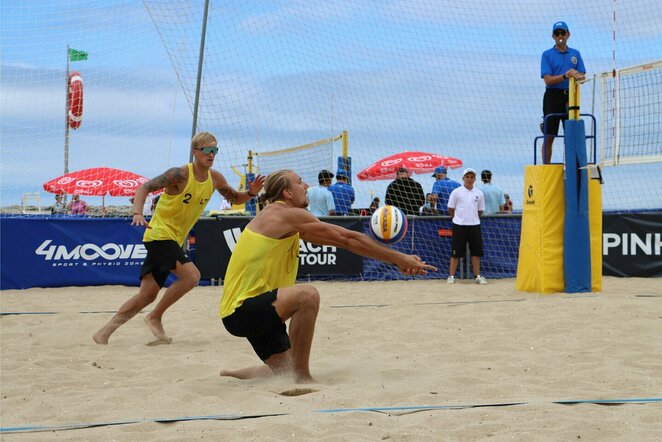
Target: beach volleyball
389 224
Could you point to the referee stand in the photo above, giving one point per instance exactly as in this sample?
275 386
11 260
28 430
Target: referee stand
562 253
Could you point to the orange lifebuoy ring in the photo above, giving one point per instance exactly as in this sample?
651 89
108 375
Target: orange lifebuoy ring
75 100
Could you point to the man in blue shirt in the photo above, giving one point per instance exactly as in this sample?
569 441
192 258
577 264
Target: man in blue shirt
343 193
443 188
557 65
320 200
494 198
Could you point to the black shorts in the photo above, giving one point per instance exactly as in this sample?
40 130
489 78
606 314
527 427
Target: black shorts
467 234
256 319
555 102
162 258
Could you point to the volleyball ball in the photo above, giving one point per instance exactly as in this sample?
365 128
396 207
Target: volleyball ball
389 224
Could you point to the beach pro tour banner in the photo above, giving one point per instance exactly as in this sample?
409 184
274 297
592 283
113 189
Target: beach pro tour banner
632 245
215 240
57 252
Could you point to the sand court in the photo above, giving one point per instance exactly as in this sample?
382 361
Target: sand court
399 360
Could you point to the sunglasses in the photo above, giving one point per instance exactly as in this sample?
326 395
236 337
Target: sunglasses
208 150
560 32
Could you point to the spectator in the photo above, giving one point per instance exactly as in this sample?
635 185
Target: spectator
58 208
405 193
508 207
225 204
430 206
494 198
443 188
557 65
320 199
374 205
343 193
465 206
77 206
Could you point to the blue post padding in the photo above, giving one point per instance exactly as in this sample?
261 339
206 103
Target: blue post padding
346 164
576 239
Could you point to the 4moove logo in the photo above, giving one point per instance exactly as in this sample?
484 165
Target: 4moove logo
109 254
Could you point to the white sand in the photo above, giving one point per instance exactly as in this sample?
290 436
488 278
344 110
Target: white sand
377 344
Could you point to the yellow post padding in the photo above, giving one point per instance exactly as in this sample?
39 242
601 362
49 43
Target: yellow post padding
540 264
595 225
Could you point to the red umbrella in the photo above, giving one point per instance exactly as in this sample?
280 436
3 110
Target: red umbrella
99 181
418 162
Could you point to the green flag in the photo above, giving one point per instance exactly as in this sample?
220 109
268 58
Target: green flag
75 55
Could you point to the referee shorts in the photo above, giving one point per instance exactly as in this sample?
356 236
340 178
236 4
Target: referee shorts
555 101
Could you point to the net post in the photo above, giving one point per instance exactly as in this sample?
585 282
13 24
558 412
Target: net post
345 144
573 100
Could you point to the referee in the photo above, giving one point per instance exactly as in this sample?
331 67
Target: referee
557 65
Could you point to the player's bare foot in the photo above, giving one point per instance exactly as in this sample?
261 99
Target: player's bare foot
297 391
305 380
261 371
159 342
156 328
100 337
103 335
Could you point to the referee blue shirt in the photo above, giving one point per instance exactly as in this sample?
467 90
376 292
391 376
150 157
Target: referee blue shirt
555 62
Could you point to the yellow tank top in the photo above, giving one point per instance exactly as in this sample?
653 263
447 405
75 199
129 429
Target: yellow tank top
175 215
258 264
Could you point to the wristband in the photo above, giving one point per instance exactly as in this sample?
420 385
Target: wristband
565 76
252 195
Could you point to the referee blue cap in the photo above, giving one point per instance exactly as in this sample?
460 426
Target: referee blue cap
560 25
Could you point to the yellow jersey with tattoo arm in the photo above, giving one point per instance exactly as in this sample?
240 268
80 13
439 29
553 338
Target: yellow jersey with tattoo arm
258 264
175 215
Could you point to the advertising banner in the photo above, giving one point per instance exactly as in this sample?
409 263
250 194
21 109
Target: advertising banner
57 252
216 238
632 245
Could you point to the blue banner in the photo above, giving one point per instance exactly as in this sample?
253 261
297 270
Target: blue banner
57 252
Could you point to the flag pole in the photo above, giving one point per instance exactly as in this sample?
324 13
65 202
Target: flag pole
66 121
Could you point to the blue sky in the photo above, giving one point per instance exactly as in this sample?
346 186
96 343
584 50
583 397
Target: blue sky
456 78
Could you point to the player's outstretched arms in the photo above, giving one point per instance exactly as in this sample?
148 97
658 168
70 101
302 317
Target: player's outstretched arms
313 230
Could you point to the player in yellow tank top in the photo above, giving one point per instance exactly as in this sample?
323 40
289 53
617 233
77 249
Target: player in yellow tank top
260 293
175 215
259 264
186 192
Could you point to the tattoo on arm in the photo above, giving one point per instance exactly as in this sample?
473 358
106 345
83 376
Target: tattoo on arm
229 193
171 177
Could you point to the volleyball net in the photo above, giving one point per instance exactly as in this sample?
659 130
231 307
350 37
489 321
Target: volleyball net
306 160
459 80
631 109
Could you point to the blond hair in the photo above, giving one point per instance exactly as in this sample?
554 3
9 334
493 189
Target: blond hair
276 183
202 139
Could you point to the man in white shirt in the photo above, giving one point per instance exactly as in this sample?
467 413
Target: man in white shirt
320 199
465 206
